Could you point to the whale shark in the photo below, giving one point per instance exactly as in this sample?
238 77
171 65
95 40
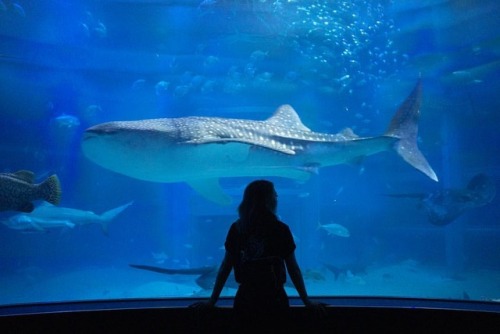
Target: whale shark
201 150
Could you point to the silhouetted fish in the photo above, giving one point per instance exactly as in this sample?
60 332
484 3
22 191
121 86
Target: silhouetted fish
444 206
206 275
18 191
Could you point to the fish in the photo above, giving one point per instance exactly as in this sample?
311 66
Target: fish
474 74
28 224
47 216
18 190
335 229
205 275
444 206
201 150
159 257
66 121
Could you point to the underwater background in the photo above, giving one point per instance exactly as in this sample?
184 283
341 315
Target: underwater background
68 65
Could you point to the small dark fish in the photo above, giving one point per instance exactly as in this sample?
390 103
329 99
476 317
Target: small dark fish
18 191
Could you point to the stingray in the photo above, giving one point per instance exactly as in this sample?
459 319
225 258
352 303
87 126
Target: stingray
206 275
444 206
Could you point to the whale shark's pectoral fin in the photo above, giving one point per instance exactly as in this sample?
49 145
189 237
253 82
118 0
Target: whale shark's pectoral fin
259 143
39 223
36 227
210 189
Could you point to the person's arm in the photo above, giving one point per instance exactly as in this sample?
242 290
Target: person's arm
222 275
296 276
298 281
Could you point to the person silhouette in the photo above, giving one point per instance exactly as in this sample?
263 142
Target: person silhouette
260 248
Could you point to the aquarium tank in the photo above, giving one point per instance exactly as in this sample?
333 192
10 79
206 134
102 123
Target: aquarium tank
129 130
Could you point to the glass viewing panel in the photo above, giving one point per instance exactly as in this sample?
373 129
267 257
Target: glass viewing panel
377 121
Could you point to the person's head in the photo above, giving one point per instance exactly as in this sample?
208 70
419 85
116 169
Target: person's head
259 197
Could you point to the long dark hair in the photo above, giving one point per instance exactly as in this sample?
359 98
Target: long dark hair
257 210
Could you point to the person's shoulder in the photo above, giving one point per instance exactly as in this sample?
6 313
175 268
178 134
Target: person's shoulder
234 226
283 226
232 234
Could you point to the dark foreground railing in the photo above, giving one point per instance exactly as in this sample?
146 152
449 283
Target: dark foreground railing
173 316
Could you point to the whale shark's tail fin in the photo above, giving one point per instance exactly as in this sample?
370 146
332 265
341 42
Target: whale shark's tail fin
109 215
404 126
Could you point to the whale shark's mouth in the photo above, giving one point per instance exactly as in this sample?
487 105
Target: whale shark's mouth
87 135
100 130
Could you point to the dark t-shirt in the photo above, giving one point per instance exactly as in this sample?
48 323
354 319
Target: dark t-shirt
252 253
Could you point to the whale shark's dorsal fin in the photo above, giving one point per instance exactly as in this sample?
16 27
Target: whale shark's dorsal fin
348 133
286 117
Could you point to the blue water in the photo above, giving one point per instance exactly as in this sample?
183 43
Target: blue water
66 66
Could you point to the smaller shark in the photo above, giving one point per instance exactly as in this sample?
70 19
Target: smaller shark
444 206
28 224
47 216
